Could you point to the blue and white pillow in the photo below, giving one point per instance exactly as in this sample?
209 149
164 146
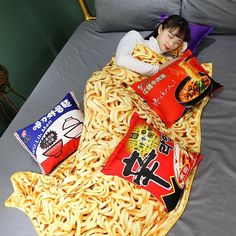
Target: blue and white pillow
55 136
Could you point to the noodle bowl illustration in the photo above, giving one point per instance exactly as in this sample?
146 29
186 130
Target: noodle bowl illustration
55 150
191 90
74 126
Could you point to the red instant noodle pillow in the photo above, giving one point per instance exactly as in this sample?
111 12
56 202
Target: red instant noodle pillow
151 160
176 88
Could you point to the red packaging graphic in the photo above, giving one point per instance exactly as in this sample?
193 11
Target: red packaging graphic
151 160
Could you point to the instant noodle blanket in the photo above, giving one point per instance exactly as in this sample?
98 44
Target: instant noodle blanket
77 199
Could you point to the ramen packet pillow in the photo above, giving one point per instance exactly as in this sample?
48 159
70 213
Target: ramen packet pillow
55 136
175 89
151 160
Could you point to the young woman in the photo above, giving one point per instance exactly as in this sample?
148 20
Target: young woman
171 34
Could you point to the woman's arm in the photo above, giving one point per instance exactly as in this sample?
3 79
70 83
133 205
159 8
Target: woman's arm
124 56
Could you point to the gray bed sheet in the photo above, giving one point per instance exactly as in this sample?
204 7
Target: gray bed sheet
211 209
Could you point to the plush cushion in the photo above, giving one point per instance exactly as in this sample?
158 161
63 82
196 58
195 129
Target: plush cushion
221 14
54 136
151 160
197 31
123 15
176 88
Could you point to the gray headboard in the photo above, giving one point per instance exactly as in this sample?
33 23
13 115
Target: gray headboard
123 15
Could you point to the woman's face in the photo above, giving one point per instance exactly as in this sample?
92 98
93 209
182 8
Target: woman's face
167 39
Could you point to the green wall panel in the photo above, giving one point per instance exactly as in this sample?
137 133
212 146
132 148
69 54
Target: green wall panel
32 33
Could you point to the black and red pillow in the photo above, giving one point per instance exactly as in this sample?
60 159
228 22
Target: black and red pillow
176 88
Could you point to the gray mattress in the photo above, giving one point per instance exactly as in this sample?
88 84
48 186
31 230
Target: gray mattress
211 209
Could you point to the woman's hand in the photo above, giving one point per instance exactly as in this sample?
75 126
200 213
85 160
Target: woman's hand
167 63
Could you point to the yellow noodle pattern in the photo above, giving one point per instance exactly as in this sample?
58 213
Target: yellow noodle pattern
77 199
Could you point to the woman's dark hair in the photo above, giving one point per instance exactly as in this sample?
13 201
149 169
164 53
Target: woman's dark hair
173 22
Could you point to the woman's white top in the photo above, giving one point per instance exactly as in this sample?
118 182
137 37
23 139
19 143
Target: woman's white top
126 47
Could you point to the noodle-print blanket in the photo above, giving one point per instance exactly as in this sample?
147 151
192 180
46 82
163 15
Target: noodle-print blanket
77 199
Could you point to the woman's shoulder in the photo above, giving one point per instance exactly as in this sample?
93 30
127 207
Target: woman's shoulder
134 34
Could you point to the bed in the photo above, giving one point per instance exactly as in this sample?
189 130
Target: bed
210 209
